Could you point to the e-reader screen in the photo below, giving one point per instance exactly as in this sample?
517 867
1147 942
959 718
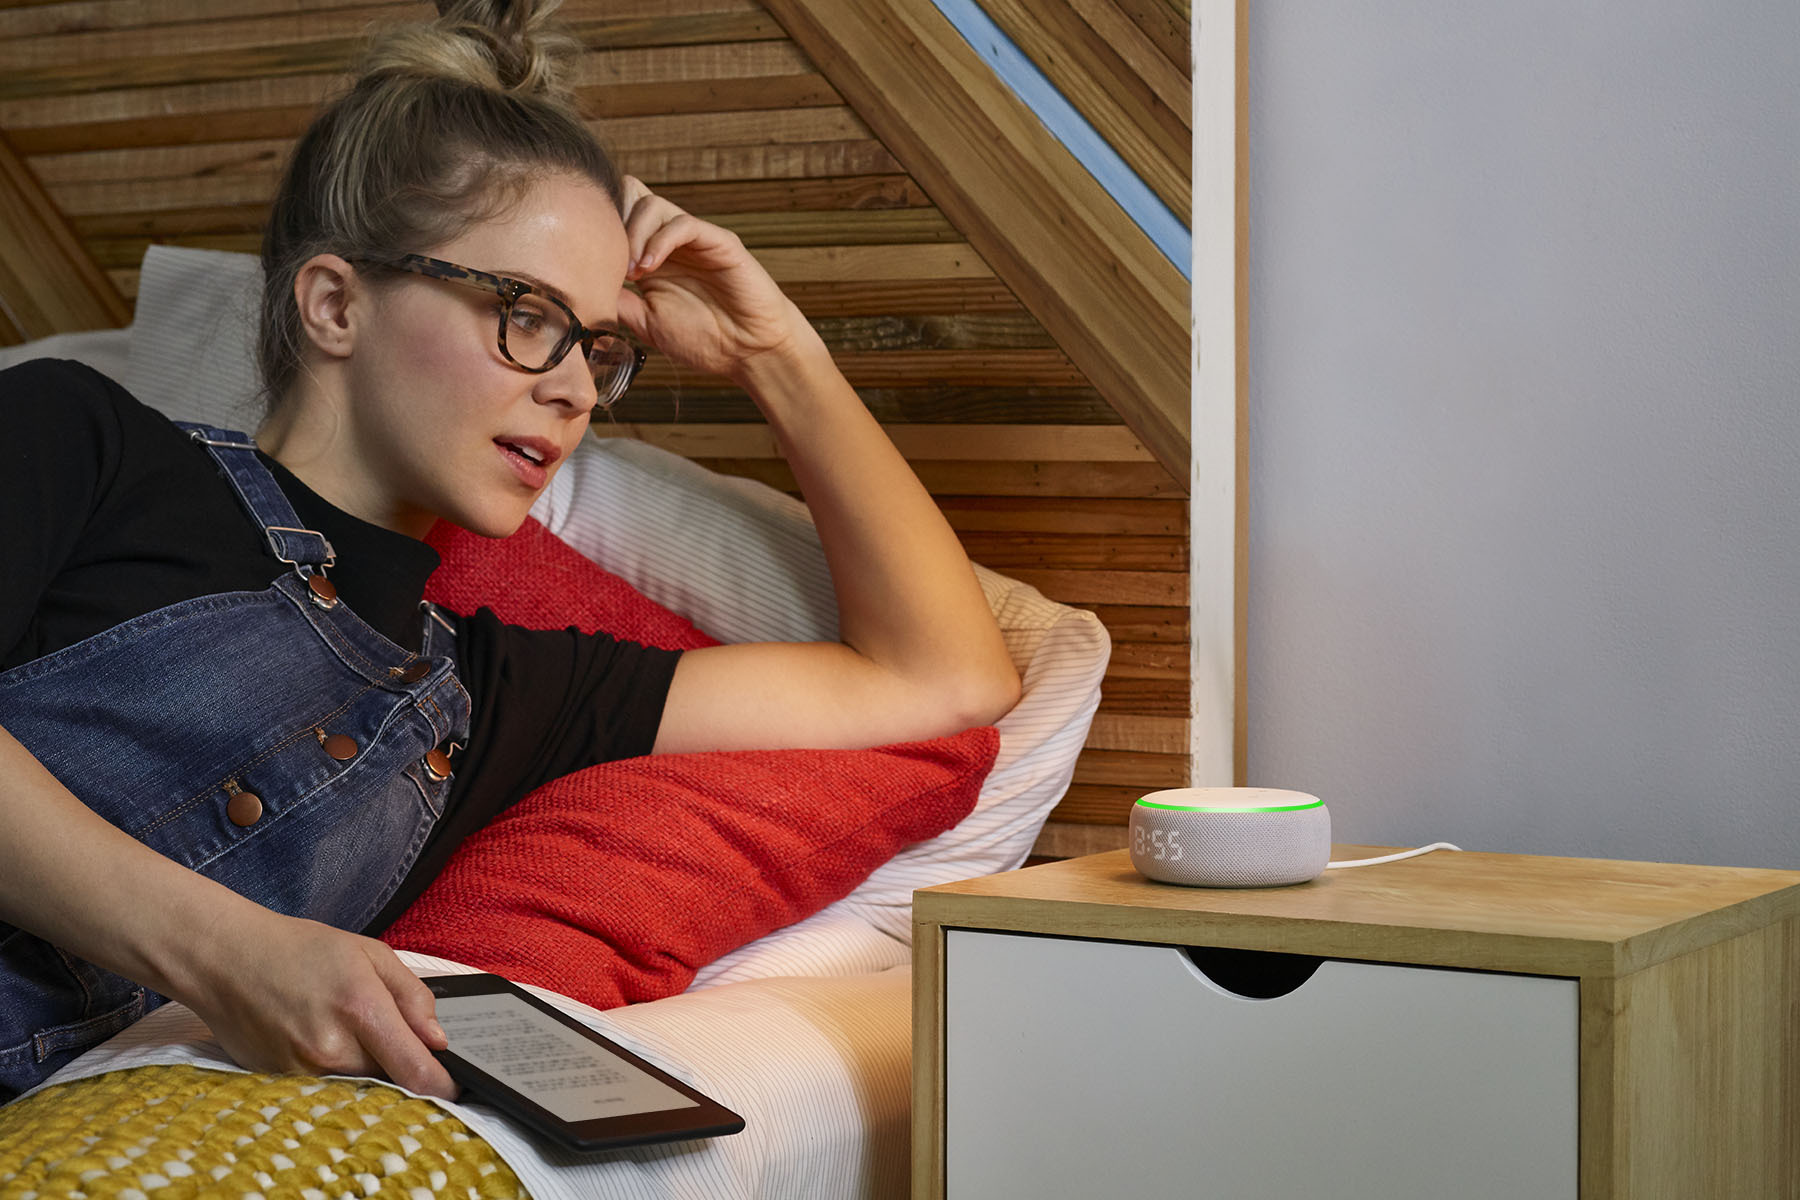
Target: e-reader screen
533 1062
557 1067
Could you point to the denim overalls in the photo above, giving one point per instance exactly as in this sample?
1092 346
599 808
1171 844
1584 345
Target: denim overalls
269 740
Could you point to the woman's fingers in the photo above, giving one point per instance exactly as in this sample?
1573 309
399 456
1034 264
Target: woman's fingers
405 1029
632 189
397 1052
414 999
698 295
666 233
655 228
646 214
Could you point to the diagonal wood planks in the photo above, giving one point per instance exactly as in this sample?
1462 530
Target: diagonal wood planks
48 282
1108 296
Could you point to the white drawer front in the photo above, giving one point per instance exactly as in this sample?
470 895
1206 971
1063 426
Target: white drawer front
1100 1069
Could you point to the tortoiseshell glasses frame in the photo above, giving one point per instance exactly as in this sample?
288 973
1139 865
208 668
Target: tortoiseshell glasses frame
540 335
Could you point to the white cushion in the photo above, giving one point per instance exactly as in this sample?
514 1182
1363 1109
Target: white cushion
739 559
105 350
193 338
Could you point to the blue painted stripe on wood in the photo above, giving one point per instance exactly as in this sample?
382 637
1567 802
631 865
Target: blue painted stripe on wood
1168 231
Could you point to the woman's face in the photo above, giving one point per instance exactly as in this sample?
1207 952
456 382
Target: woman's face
444 426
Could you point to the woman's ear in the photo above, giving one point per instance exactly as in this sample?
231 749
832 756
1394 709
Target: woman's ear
329 297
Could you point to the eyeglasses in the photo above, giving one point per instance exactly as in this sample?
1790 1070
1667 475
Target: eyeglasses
537 331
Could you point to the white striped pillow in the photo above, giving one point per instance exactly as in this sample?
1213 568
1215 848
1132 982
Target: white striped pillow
193 337
108 351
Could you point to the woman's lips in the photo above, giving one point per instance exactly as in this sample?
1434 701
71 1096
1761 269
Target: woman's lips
533 475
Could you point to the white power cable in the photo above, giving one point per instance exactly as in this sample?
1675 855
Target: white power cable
1386 858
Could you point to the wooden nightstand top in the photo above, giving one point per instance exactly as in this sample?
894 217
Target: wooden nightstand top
1594 918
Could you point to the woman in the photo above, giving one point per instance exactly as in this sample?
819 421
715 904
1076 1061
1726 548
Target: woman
231 734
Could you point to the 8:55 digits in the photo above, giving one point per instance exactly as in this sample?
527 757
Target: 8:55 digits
1163 845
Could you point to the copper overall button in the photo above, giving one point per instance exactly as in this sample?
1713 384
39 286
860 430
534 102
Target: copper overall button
244 808
437 764
416 671
324 593
340 746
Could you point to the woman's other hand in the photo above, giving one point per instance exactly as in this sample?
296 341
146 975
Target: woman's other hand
280 993
291 995
701 298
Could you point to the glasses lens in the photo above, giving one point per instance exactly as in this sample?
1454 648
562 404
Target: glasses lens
613 360
538 331
535 330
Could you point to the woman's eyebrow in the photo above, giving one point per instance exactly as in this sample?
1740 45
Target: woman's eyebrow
550 289
538 285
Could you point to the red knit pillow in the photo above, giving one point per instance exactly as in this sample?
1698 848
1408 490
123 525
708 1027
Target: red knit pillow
615 884
536 579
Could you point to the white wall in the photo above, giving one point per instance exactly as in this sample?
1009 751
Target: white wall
1524 427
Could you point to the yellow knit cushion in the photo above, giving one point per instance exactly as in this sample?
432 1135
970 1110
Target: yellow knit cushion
163 1132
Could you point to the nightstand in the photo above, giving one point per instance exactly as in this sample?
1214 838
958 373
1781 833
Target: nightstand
1458 1024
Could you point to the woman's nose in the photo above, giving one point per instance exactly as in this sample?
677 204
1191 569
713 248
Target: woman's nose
569 382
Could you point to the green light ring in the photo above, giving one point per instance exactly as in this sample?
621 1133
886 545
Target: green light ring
1213 808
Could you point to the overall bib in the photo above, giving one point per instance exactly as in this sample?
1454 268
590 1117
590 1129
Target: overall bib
269 740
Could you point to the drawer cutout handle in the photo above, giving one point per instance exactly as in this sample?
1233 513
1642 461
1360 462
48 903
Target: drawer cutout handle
1253 974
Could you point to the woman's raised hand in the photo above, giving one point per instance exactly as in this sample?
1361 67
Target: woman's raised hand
701 298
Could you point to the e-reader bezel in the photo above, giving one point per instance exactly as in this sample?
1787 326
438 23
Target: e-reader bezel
708 1118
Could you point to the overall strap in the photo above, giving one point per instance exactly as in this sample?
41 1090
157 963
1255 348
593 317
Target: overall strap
235 454
439 638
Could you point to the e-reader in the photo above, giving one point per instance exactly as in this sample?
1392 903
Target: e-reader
557 1077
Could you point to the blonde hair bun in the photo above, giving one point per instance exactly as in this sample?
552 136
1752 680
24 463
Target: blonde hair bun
500 45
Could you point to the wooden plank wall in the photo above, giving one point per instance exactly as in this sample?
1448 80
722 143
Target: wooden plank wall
168 120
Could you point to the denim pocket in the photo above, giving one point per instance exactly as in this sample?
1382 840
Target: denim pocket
53 1006
32 1061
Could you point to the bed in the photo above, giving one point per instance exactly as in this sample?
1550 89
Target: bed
805 1031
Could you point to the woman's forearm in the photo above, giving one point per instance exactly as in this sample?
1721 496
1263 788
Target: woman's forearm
920 655
72 878
908 598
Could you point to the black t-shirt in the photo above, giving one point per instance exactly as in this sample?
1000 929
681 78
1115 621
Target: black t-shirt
109 511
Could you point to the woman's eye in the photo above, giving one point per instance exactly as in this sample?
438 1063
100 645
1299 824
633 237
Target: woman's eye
608 350
527 320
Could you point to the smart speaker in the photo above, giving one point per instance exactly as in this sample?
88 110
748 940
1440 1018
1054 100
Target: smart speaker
1230 837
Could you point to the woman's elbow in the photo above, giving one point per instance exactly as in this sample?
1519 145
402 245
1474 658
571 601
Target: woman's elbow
982 697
